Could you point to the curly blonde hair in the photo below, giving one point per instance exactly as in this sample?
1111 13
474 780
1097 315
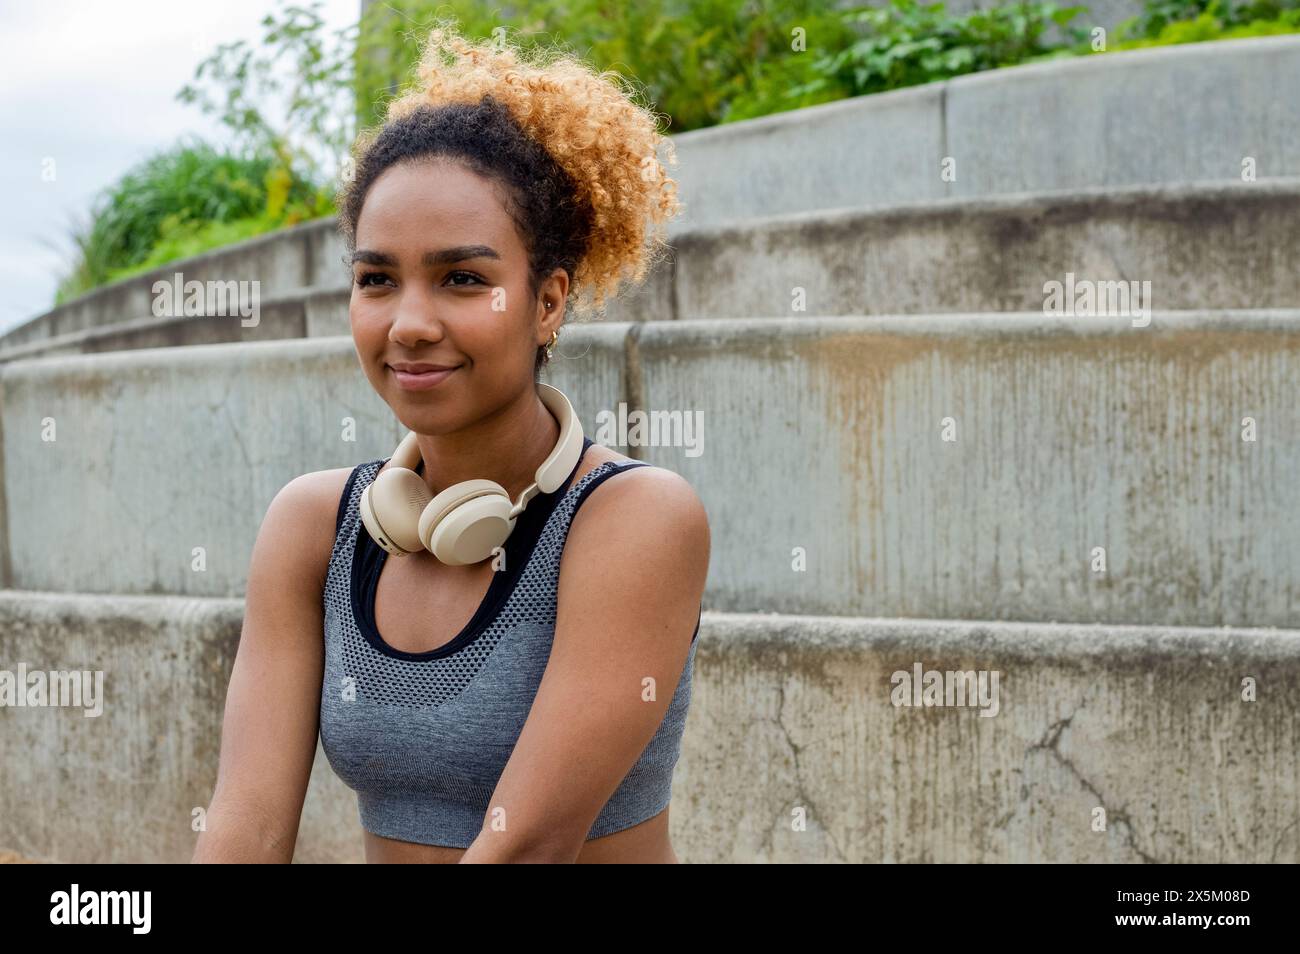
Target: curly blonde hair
577 151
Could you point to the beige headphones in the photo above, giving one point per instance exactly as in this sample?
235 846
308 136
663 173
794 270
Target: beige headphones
466 522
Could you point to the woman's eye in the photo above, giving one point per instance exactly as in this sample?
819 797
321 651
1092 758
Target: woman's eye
367 279
467 275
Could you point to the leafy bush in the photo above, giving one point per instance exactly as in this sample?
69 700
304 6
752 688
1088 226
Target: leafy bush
176 203
1158 15
1168 22
907 43
694 60
191 197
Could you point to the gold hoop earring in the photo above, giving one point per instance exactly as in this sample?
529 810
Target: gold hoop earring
555 335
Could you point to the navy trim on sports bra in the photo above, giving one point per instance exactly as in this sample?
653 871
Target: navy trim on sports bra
368 560
343 501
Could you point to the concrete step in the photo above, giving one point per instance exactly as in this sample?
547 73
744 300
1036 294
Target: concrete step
1095 744
817 445
283 262
1186 247
984 467
237 420
301 313
1176 114
1195 246
121 785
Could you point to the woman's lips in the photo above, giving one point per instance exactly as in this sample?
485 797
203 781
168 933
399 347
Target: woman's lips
410 381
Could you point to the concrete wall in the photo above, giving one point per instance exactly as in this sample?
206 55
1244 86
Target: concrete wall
158 452
303 313
828 436
821 434
790 717
1146 724
122 786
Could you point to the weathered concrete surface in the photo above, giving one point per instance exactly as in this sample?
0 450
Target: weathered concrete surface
1171 114
161 451
283 261
1196 246
1147 724
122 786
326 311
1199 246
823 441
278 318
826 435
869 150
1140 117
1203 245
13 858
309 312
787 713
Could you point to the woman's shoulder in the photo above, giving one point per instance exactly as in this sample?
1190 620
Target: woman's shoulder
297 534
640 490
643 533
310 505
321 490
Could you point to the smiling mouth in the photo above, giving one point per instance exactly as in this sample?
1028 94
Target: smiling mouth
419 380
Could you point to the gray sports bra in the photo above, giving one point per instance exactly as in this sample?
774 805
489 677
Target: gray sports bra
424 737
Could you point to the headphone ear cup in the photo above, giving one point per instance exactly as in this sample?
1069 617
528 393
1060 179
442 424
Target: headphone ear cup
391 507
466 522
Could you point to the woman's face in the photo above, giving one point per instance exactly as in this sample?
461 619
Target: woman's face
440 276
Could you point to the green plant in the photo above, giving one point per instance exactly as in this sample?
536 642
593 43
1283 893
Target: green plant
907 43
700 62
172 194
1188 21
193 197
1205 28
315 91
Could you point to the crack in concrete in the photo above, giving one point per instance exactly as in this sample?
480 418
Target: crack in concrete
768 844
803 794
223 405
1051 739
1280 836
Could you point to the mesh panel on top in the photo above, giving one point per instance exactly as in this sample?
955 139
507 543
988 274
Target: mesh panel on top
389 680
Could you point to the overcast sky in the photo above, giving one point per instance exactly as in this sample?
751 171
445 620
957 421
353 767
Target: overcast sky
92 85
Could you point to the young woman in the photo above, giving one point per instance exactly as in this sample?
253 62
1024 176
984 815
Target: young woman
487 700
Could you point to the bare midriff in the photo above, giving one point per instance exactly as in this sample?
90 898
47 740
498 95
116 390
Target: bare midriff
646 843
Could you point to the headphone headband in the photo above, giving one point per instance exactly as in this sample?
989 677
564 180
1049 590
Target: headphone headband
559 462
459 524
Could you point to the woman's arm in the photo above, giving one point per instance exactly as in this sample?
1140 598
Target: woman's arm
631 580
268 736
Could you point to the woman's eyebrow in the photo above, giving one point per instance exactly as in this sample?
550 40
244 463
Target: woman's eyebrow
444 256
